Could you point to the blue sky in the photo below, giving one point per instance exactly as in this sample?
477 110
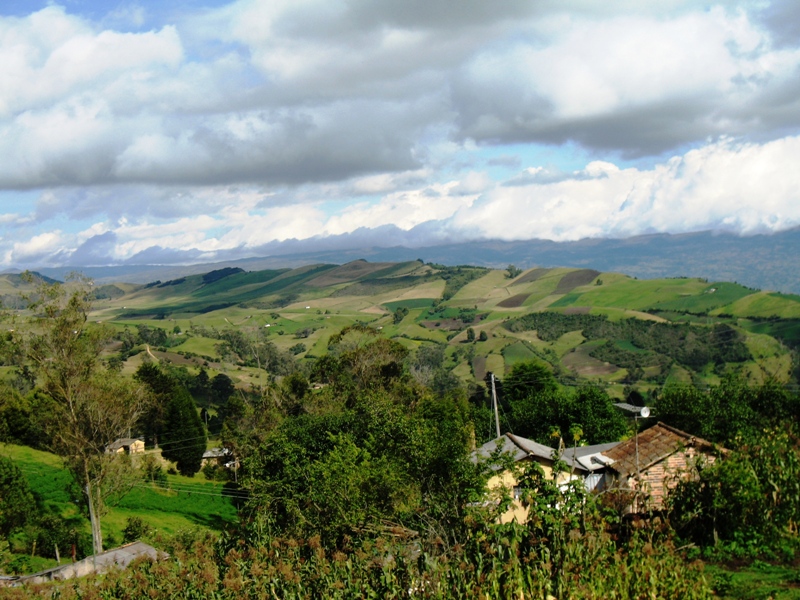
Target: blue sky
203 130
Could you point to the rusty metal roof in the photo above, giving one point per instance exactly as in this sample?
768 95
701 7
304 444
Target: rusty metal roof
655 444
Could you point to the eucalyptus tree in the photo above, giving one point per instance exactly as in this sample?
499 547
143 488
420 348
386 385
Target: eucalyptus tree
82 407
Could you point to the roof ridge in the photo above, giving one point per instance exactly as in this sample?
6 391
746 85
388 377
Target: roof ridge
680 432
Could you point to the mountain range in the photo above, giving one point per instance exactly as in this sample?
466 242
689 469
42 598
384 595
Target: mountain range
761 261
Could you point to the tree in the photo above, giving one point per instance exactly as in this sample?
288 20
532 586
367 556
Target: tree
83 407
528 378
174 419
470 334
483 336
16 498
399 314
222 388
513 272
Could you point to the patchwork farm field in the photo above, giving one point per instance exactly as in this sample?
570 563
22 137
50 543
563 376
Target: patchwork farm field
298 310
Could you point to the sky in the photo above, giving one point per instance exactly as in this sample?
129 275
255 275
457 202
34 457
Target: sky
188 131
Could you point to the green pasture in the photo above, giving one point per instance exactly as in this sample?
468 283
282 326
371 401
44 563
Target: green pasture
190 502
409 303
46 475
483 287
714 296
567 342
518 352
636 294
766 304
199 345
785 330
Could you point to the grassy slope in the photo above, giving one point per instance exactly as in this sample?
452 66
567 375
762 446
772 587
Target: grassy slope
324 289
194 502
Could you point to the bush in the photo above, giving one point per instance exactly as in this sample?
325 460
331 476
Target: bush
135 529
749 501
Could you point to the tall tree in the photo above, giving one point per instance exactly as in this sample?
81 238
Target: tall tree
16 498
174 421
82 408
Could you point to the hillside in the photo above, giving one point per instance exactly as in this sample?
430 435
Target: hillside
607 328
762 261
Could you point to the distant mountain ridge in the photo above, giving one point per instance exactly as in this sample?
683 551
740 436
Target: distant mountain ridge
760 261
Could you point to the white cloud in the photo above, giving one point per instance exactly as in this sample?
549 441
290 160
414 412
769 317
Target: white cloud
50 55
746 188
260 121
37 247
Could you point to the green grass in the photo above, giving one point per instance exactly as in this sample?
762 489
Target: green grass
786 330
712 297
410 303
192 502
45 474
759 581
516 353
566 300
764 304
638 294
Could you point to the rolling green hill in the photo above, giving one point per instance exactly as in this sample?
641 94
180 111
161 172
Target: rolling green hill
612 329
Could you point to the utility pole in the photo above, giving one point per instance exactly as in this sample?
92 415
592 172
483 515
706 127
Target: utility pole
494 406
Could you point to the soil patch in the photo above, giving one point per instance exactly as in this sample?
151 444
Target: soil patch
532 276
514 301
586 366
479 367
577 310
446 324
575 279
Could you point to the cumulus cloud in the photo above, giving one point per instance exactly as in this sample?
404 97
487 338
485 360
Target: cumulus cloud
630 83
254 123
746 188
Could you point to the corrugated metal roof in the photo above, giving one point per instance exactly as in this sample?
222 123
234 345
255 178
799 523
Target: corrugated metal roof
519 448
655 443
582 458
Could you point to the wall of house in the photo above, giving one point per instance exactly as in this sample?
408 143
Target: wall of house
507 481
658 479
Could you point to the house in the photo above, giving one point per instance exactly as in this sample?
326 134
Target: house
584 462
218 456
654 461
126 445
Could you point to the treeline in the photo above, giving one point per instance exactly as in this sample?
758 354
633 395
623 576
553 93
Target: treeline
692 346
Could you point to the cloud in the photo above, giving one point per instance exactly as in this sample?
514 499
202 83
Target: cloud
248 123
742 187
37 248
630 83
729 185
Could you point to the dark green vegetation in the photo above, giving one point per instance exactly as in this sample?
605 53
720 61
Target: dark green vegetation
52 519
635 343
348 421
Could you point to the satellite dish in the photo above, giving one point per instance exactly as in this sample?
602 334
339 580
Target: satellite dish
645 412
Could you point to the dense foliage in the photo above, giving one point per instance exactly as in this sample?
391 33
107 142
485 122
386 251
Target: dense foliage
727 411
749 502
690 345
569 550
172 421
16 498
